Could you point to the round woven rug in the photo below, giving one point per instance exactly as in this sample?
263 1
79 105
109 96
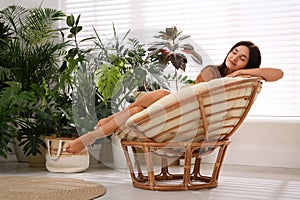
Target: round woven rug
22 187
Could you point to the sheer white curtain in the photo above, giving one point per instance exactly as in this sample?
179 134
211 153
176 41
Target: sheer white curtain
214 26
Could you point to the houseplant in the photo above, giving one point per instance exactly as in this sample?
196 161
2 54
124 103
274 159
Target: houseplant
172 48
13 102
30 55
76 78
75 89
123 67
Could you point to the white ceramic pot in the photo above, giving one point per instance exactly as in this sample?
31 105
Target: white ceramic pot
118 153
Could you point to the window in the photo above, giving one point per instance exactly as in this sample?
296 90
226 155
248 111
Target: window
215 26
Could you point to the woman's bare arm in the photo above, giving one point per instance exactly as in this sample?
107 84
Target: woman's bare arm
267 74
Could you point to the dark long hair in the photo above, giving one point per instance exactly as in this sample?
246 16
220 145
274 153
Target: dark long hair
254 57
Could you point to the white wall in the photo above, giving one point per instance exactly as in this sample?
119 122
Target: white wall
266 142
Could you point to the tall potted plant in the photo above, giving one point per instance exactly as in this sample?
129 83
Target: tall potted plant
123 67
73 109
31 55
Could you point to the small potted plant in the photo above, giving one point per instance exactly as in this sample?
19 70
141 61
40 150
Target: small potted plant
57 159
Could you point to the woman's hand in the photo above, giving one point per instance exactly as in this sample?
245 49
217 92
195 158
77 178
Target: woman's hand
243 74
234 74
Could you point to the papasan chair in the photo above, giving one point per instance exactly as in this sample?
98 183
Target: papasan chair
186 125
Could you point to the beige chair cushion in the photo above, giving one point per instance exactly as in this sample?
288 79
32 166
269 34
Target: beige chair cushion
177 116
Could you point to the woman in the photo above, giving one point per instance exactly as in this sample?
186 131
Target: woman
243 59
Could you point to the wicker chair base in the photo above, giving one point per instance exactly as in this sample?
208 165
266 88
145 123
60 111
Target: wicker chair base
164 180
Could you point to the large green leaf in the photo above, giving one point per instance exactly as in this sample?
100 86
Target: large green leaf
106 79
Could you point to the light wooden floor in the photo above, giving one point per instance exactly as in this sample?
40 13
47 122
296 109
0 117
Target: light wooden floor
236 183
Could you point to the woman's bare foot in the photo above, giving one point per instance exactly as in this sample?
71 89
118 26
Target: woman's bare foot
76 146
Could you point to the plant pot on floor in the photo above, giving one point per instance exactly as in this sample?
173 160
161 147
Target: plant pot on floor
118 154
19 152
58 160
38 160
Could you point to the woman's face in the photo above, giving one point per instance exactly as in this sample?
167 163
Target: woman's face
238 58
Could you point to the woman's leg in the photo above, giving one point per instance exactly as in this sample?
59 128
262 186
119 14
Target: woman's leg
144 101
106 129
150 98
108 125
103 121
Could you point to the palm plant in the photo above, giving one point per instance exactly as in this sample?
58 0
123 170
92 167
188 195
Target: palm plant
5 36
31 53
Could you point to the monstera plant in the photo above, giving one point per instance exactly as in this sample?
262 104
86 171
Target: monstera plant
124 66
